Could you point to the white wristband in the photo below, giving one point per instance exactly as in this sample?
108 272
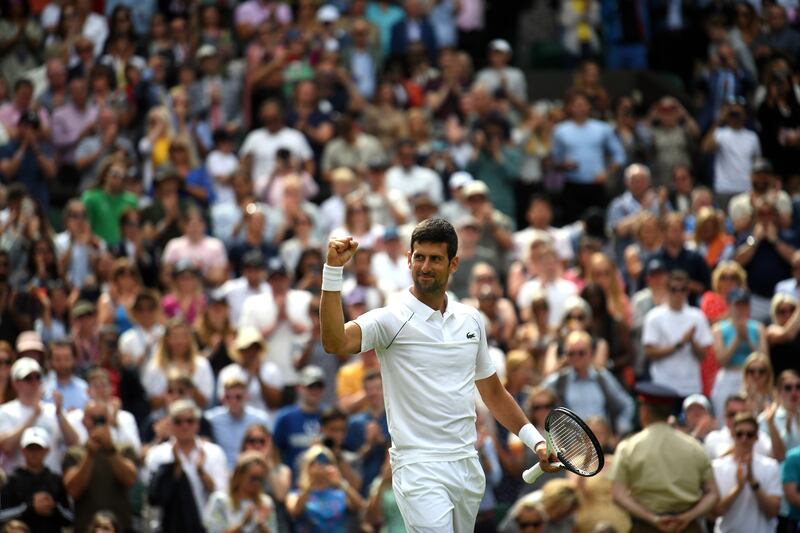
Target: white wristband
530 436
332 278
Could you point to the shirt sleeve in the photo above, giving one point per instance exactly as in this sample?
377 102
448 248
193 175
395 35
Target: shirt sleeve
375 329
772 479
483 362
215 515
650 333
702 334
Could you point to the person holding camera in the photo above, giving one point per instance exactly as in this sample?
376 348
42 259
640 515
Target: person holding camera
99 474
29 158
735 148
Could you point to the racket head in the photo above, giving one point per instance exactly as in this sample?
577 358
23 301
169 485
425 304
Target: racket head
573 442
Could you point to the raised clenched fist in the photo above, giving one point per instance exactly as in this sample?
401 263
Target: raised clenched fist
340 251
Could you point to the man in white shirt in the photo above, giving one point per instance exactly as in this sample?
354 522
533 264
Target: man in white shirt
500 76
29 410
539 216
258 152
202 462
719 442
281 316
551 282
251 283
749 484
675 338
410 178
735 148
433 354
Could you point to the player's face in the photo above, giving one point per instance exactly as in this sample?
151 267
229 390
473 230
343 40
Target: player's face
430 268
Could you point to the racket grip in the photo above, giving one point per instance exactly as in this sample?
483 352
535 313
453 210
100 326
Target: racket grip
532 474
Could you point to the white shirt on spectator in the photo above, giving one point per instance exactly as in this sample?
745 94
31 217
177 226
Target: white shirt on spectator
154 378
140 344
561 242
415 180
270 375
125 432
263 145
392 274
679 370
720 441
13 414
260 312
557 294
733 161
744 514
214 464
238 290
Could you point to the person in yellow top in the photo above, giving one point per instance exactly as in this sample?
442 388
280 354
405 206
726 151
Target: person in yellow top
350 382
661 476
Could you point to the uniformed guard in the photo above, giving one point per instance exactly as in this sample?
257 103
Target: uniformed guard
661 476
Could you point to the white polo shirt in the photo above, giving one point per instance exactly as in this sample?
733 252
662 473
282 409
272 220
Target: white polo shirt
429 364
744 514
679 370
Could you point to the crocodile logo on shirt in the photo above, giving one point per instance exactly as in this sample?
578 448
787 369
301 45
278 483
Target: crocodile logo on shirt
470 334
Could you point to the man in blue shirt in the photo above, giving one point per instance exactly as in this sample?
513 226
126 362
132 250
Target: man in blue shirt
229 422
588 152
297 426
62 377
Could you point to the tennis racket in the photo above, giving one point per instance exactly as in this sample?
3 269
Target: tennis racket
573 442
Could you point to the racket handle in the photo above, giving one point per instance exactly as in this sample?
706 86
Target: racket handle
532 474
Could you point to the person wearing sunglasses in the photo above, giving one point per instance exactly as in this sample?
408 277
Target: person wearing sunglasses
183 469
229 421
245 506
749 483
675 338
781 420
783 334
735 338
29 410
758 382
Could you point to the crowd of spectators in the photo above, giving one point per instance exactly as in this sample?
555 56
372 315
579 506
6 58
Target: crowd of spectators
172 171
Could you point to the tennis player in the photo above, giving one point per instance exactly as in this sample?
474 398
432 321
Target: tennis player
433 353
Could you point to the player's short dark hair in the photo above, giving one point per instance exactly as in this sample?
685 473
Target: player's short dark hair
436 230
332 414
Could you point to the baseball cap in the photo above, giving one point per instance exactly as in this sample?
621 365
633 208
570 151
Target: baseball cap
248 336
459 179
207 50
276 267
35 436
327 13
391 234
655 265
82 308
24 367
476 187
696 399
343 174
762 165
180 406
29 341
254 258
500 45
312 374
738 295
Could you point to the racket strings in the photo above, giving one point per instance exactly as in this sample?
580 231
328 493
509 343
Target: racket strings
573 445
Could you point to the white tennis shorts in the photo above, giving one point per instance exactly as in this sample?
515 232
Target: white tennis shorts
439 497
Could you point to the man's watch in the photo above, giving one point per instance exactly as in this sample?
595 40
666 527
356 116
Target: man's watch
755 486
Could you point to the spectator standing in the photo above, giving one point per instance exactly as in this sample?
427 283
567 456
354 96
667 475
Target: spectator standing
749 483
98 475
589 154
28 410
661 476
106 202
675 337
184 471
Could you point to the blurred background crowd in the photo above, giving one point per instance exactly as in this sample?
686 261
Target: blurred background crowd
624 177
